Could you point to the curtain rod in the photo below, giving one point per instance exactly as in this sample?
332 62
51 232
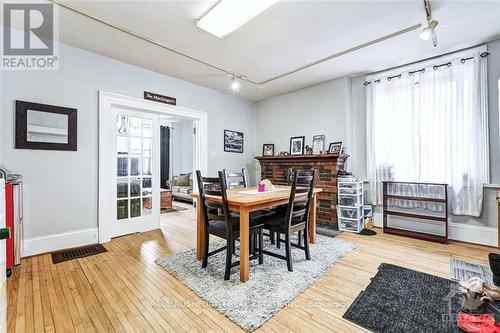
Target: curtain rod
422 70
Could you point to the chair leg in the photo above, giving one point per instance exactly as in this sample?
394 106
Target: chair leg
252 244
288 250
300 238
278 240
205 251
271 236
234 246
261 246
229 255
306 243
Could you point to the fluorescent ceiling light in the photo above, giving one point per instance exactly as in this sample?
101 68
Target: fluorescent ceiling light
229 15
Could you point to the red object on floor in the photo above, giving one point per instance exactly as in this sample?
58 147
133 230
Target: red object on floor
9 223
478 324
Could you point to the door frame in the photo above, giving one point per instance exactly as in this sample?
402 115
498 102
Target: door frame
108 100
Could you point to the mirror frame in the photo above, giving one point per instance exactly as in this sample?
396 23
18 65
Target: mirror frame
21 134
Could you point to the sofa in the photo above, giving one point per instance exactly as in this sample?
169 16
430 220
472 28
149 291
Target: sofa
181 187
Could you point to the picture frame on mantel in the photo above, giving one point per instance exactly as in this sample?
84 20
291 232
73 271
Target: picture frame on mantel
297 145
318 144
268 149
335 148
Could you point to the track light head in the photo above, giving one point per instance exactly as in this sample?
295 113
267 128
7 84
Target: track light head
235 85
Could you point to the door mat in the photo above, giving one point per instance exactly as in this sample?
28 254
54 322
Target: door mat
403 300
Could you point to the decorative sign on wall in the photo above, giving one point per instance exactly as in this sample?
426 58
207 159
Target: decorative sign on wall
160 98
233 141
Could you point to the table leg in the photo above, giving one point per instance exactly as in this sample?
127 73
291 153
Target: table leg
244 246
200 231
312 220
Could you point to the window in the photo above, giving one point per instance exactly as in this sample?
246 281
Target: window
429 123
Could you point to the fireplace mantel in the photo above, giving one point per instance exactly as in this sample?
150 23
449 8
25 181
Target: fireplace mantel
275 169
297 158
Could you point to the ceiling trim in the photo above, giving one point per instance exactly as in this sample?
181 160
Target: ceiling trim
232 74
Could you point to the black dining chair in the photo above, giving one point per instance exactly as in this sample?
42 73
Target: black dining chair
296 218
218 221
240 180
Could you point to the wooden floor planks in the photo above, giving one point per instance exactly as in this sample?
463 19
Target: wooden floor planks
123 290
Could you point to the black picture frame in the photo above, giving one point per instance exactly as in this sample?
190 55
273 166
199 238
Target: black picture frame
335 148
21 135
233 141
268 145
300 139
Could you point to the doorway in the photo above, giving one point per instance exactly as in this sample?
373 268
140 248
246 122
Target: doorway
130 163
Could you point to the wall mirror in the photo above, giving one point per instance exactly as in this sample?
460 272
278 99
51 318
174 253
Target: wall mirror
49 127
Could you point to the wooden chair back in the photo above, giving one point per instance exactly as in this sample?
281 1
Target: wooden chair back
214 211
236 179
300 197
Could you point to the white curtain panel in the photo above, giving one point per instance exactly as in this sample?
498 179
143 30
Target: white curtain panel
430 124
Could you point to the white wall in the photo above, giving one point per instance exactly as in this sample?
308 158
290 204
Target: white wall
337 109
182 147
61 187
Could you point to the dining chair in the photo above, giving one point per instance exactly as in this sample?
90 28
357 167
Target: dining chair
296 218
218 221
240 180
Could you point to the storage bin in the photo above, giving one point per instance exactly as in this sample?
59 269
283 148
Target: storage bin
350 191
352 185
350 199
351 225
350 212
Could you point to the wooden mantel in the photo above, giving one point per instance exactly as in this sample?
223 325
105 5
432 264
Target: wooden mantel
275 168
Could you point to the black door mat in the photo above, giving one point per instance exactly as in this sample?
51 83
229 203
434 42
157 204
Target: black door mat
77 252
403 300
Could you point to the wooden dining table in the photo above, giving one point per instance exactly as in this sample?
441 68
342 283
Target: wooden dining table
245 203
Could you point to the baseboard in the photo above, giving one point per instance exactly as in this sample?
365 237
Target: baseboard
49 243
459 231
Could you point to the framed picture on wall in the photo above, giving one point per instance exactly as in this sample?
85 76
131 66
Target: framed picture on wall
268 149
233 141
297 145
335 148
318 144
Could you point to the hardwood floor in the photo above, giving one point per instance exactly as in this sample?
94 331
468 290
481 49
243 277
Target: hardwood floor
123 290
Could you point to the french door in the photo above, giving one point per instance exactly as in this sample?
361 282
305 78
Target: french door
135 170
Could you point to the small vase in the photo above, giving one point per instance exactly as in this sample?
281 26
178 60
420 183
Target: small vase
495 267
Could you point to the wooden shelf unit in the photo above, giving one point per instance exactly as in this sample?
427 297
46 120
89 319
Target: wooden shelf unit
411 233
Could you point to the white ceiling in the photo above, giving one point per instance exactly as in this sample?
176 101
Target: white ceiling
286 36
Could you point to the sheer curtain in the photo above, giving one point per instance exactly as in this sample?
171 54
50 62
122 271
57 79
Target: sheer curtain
428 123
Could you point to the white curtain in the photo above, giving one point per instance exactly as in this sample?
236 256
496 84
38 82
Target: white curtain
429 124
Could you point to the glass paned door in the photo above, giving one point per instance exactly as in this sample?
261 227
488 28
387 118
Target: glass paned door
135 176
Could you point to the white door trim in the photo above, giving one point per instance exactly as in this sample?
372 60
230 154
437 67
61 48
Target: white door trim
107 101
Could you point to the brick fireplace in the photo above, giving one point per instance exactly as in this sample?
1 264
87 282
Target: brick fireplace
275 169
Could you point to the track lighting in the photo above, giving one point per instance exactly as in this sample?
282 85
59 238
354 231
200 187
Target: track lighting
428 31
235 85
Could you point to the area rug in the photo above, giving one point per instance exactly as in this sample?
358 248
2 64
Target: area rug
329 232
175 208
403 300
270 287
461 270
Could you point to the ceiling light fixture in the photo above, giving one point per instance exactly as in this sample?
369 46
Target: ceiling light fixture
229 15
235 85
430 30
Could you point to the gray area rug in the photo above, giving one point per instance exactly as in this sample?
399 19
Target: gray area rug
325 231
461 270
270 286
175 208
